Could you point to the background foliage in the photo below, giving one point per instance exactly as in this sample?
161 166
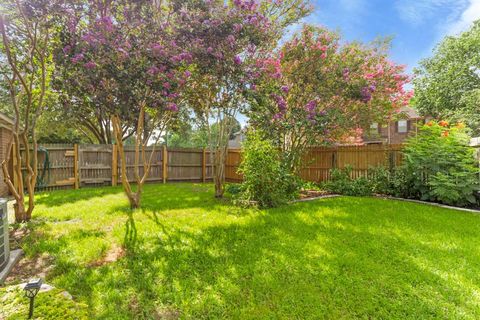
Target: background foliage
447 85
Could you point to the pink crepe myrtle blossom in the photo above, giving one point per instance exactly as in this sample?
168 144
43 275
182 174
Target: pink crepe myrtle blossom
153 70
77 58
90 65
172 107
334 102
66 50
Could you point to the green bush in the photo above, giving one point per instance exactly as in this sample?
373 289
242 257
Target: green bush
394 182
402 184
309 185
380 179
234 189
440 166
341 182
266 182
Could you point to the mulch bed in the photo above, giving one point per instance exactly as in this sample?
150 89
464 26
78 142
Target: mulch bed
313 194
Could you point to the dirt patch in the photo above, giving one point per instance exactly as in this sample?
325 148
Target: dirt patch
112 255
167 314
28 268
16 236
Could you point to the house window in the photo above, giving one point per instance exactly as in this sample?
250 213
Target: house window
402 126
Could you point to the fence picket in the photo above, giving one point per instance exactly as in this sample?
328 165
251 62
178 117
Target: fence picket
76 166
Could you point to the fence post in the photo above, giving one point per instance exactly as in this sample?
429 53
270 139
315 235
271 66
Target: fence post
114 165
164 163
334 158
204 165
75 167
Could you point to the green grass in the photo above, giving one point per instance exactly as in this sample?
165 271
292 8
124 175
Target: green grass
195 257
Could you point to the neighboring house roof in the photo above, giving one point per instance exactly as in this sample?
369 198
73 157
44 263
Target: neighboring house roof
410 113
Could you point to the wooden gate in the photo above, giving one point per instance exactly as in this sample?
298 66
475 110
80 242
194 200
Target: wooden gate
94 165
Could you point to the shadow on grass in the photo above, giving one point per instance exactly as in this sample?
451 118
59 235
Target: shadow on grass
284 263
156 197
60 197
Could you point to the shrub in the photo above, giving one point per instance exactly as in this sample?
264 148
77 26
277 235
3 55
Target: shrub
401 184
234 189
380 179
394 182
440 166
309 185
341 182
265 181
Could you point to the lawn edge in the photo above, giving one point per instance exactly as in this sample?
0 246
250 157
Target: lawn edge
434 204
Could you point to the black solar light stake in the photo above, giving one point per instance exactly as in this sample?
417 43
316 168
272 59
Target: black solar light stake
31 289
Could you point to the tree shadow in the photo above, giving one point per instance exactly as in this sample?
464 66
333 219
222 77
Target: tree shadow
296 266
309 260
60 197
130 238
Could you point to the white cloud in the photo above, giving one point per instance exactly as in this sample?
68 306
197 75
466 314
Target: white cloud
459 13
417 12
467 17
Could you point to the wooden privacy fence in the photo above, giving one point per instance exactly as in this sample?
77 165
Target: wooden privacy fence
68 166
319 161
65 166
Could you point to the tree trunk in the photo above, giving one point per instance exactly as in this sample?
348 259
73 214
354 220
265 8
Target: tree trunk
134 197
22 214
219 171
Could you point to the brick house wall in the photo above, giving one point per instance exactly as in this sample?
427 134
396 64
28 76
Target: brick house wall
395 132
5 135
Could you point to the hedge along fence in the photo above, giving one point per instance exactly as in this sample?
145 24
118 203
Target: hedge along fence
319 161
69 166
72 166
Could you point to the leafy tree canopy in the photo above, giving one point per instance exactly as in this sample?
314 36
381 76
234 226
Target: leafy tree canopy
447 85
315 90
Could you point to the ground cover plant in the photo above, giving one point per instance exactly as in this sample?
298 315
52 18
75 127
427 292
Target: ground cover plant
196 257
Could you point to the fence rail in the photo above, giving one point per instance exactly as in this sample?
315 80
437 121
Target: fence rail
69 166
72 166
319 161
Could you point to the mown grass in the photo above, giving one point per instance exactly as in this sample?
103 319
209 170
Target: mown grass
193 257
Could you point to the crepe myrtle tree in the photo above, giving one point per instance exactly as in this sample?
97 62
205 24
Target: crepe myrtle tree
315 91
224 40
122 55
26 29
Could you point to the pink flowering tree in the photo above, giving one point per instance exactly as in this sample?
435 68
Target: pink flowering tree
315 91
224 41
123 58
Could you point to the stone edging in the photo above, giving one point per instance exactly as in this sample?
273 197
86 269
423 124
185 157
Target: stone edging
395 198
317 198
431 204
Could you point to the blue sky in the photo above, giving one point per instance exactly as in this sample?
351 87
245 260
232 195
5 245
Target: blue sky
416 25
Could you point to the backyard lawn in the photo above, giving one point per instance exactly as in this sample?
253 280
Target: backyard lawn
191 256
